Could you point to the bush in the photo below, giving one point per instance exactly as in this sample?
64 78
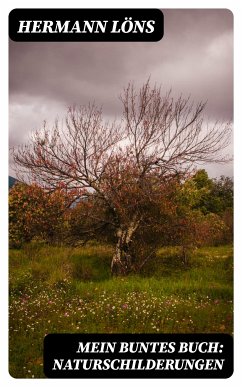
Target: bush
34 213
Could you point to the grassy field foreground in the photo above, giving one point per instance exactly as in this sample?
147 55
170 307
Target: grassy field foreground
59 289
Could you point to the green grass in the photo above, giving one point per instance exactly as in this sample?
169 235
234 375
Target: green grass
58 289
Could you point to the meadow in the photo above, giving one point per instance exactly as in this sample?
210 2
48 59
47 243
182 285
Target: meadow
62 289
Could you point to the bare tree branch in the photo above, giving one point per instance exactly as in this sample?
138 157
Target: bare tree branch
124 165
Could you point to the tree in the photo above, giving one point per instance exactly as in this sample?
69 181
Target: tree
222 193
35 213
204 211
213 195
127 166
90 219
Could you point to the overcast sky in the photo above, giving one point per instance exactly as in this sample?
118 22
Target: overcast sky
194 57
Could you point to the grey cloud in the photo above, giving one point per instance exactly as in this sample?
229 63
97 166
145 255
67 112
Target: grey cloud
194 57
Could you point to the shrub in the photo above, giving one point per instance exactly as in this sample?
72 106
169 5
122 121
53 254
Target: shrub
34 213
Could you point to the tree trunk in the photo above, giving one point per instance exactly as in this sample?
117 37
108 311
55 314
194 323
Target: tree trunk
122 259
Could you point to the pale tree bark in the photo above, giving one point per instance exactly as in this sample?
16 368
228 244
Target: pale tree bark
122 259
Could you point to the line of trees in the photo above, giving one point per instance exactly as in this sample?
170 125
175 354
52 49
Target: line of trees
133 181
196 212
